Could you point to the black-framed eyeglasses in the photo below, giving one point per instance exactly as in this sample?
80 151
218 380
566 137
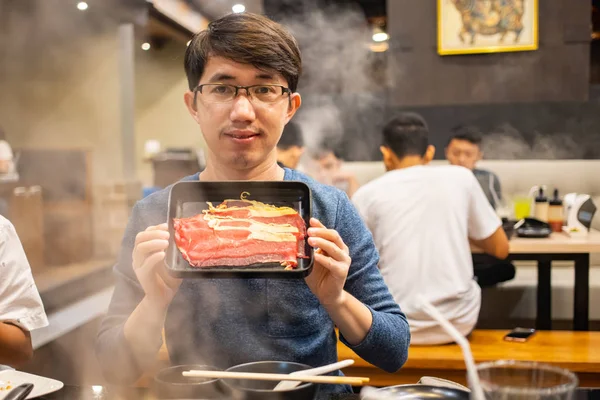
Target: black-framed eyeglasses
224 93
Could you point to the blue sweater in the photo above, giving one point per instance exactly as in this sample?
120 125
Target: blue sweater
224 322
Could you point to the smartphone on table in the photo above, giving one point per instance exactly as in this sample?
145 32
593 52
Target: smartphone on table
519 335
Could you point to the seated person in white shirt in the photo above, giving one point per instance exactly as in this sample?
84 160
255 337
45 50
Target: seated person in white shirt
422 219
21 308
7 161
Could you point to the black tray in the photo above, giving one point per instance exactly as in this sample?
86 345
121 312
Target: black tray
189 198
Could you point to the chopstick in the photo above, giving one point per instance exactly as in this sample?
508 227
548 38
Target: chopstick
342 380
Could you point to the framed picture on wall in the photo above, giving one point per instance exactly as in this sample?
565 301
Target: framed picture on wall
487 26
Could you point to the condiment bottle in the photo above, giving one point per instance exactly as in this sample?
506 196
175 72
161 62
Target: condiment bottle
541 207
555 213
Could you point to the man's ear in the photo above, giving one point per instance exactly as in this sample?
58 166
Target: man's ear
429 154
294 103
388 155
188 98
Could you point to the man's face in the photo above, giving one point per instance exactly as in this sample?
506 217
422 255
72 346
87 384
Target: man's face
463 153
291 157
329 165
242 133
295 153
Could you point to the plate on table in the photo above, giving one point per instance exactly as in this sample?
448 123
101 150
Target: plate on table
41 385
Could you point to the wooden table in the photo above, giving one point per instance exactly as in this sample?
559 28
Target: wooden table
558 247
575 351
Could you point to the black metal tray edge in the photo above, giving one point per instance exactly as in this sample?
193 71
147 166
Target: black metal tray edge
228 272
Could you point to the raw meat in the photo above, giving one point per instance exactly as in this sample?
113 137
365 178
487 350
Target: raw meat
241 233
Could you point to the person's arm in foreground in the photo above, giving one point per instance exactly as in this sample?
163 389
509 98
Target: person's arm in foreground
131 333
15 345
21 308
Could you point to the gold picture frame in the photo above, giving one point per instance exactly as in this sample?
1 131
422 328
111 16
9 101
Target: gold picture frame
487 26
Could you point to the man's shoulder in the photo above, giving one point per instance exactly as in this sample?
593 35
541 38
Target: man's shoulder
5 225
484 173
373 186
318 189
4 222
454 172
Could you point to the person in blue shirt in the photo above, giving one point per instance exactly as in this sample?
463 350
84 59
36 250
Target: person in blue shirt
243 74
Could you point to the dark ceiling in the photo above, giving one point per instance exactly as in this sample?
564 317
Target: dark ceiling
371 8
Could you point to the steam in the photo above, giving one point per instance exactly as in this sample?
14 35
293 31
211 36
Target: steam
339 86
505 142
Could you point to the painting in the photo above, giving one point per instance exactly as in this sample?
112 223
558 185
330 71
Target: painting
487 26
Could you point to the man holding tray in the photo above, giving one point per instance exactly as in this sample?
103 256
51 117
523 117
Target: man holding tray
243 72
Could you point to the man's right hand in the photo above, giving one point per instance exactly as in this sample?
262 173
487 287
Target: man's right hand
149 265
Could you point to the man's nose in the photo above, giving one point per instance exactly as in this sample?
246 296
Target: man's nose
242 109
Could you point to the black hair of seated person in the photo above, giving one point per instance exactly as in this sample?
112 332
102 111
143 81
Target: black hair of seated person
406 134
325 148
469 133
291 136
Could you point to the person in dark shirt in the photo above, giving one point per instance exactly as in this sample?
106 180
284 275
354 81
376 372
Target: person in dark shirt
464 149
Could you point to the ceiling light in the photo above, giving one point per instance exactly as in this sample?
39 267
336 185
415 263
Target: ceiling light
238 8
82 5
380 37
146 46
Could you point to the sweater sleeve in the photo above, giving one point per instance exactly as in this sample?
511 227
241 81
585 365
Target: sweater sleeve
112 350
386 343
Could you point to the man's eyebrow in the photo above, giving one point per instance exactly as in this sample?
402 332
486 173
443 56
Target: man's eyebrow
264 75
219 77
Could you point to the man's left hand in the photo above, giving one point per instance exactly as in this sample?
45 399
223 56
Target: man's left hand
331 265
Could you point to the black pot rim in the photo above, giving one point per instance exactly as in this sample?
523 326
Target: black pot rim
302 386
191 366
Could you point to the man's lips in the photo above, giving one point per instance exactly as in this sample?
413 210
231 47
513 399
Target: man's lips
241 134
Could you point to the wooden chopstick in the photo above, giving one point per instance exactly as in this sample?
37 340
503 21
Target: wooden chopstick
342 380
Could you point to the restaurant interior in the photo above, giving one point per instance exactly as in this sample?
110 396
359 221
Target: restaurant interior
91 103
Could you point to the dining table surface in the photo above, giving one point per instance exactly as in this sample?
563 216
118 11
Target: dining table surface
556 243
545 251
69 392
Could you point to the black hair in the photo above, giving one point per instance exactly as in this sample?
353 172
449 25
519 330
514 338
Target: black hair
407 134
248 39
325 149
469 133
291 136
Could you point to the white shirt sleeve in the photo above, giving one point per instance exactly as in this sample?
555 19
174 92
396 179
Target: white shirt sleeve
20 302
483 221
6 152
360 203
